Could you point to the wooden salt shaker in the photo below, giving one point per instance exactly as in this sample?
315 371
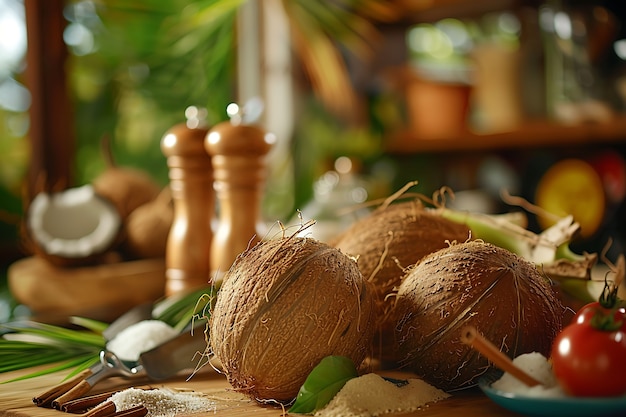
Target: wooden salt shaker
237 153
188 246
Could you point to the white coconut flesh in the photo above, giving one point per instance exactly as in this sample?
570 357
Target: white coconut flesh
74 223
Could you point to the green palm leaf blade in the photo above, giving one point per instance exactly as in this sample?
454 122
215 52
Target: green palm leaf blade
95 326
56 333
62 363
28 344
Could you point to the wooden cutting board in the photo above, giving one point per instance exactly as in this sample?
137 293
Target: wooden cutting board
16 397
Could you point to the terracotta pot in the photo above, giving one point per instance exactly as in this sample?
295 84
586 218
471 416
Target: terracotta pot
437 109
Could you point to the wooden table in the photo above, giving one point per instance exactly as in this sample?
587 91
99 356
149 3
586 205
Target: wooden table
16 397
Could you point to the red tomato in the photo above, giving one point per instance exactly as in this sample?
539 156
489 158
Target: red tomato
589 362
587 312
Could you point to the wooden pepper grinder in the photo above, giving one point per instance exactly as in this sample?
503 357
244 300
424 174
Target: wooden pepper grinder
189 241
237 151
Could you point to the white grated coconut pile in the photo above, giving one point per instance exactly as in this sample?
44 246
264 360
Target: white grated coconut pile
537 366
162 402
371 395
140 337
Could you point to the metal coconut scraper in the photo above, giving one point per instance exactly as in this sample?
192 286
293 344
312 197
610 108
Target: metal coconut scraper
166 360
161 362
180 353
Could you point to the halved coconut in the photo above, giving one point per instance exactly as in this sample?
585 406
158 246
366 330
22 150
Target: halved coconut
72 226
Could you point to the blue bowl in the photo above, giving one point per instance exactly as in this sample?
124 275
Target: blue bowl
554 407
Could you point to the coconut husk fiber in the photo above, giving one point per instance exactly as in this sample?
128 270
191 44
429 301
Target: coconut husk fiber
394 237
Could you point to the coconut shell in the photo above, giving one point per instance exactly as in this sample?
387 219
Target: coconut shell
78 213
395 237
504 296
285 305
127 188
148 227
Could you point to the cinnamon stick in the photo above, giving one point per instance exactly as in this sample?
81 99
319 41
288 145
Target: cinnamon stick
81 404
75 392
137 411
46 398
471 337
108 409
105 409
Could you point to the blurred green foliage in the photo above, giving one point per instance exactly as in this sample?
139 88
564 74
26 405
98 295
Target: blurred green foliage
134 67
151 59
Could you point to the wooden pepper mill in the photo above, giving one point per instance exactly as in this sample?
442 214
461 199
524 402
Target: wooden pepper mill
191 181
237 153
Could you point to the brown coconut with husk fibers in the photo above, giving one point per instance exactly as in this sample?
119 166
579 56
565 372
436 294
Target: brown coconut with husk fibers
502 295
148 227
388 241
125 187
396 236
285 304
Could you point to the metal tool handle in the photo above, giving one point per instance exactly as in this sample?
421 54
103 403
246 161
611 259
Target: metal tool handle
109 365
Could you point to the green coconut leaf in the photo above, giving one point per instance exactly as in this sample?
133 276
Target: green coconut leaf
323 383
56 334
28 344
95 326
179 310
76 365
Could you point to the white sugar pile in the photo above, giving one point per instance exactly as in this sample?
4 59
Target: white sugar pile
372 395
162 402
140 337
537 366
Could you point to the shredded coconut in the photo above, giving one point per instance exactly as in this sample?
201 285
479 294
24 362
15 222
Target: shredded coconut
140 337
537 366
371 395
162 402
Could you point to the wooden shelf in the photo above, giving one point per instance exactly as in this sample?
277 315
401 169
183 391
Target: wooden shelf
433 10
534 134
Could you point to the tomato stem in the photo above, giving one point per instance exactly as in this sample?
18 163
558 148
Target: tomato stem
608 297
604 317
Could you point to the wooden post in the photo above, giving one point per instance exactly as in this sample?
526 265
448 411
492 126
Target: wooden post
51 124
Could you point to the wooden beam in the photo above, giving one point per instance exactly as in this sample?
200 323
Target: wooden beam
51 127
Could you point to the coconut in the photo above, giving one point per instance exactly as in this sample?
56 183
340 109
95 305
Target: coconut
127 188
73 226
389 240
285 304
77 225
394 237
148 227
472 284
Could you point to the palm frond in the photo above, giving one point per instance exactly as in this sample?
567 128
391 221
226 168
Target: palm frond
325 30
95 326
56 334
180 310
77 364
320 59
29 344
